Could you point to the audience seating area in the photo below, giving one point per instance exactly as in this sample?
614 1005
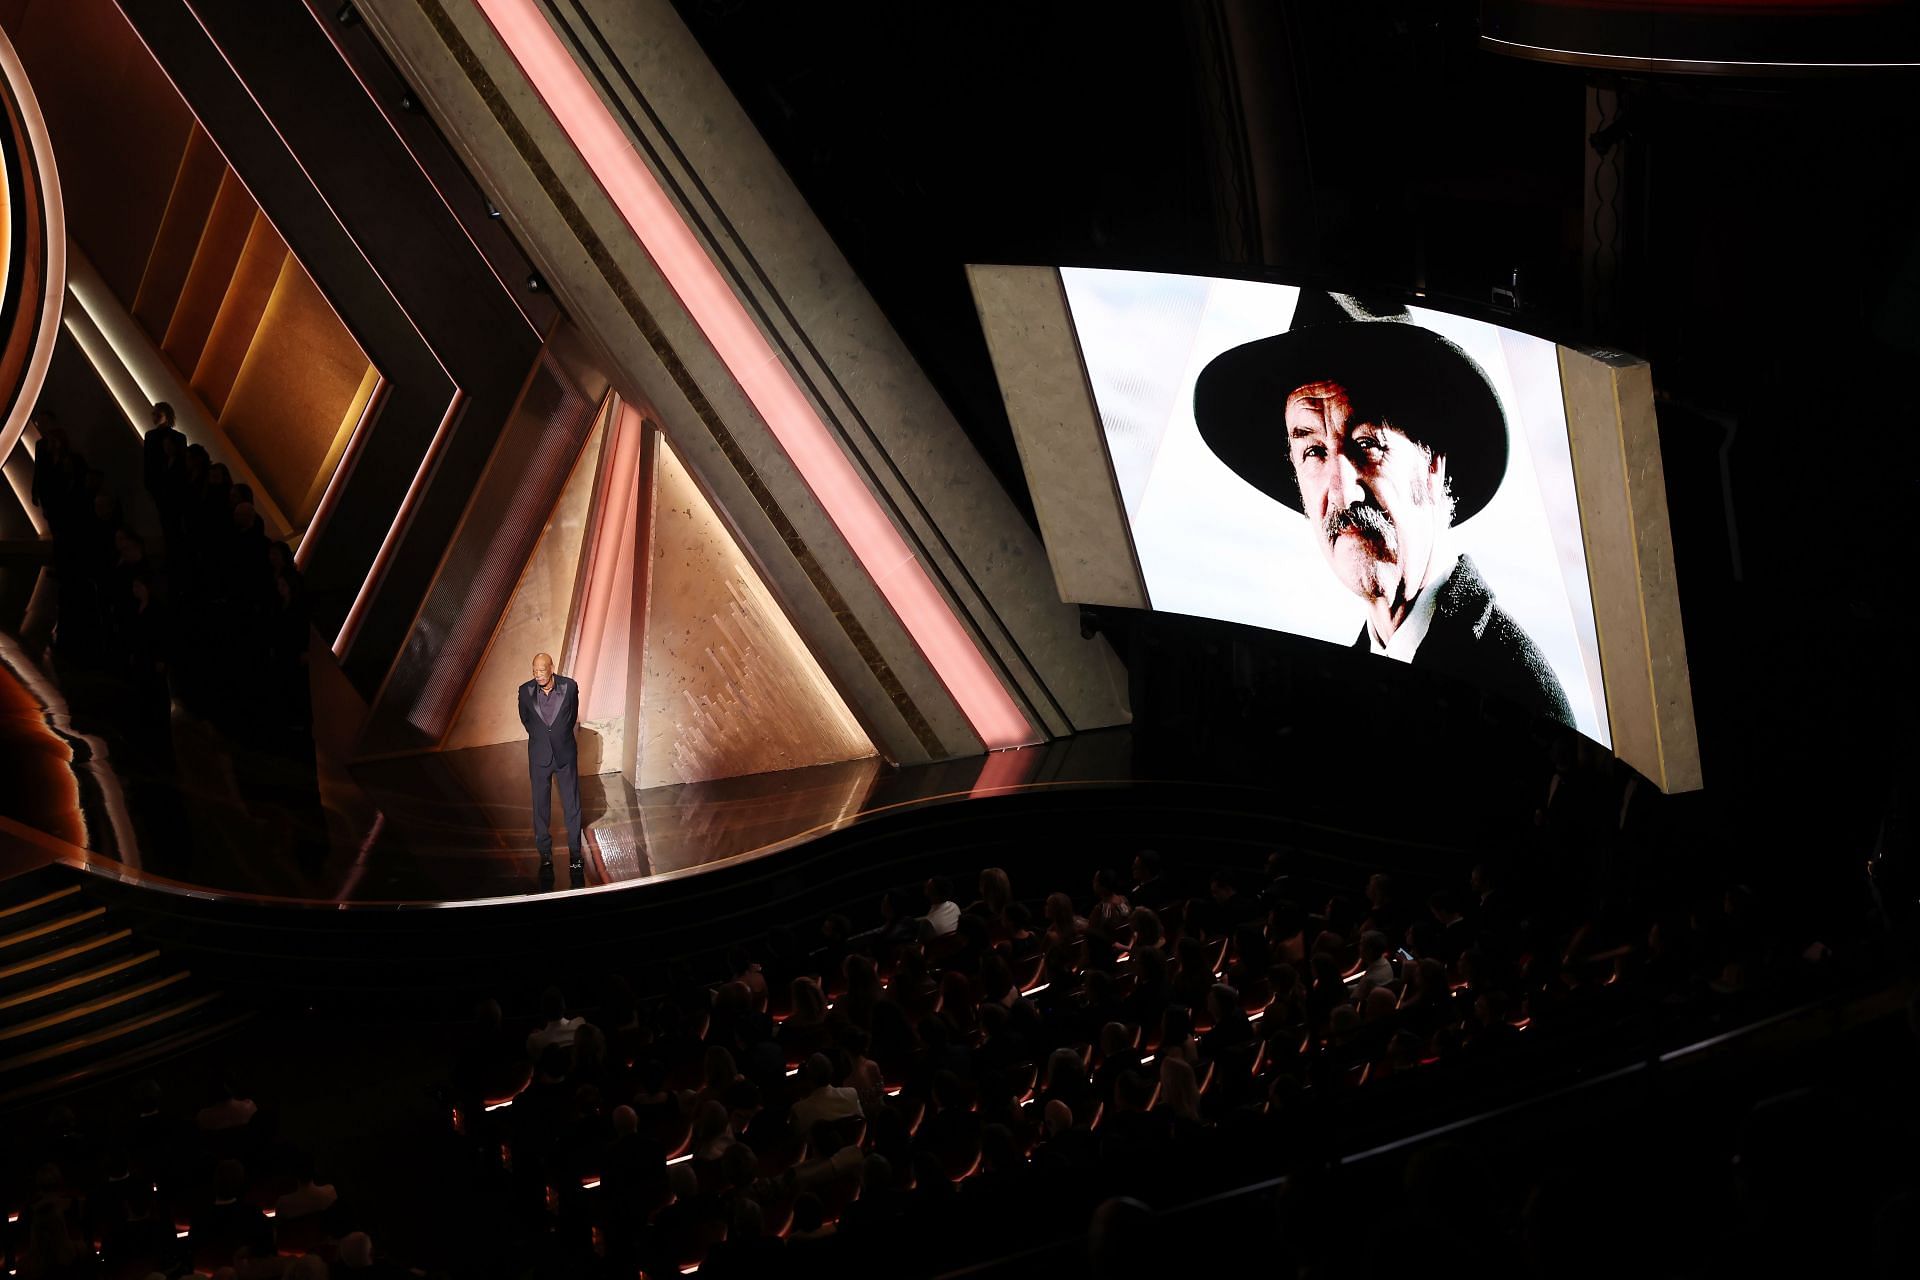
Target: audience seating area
913 1084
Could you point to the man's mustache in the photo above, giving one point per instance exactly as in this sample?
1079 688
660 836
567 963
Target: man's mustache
1371 521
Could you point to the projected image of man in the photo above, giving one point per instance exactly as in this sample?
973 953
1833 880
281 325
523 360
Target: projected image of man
1385 436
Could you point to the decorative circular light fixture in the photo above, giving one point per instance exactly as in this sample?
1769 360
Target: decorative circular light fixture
33 249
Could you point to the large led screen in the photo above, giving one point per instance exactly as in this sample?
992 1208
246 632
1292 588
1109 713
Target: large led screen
1391 478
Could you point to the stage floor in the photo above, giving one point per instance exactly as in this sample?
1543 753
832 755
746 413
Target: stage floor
169 796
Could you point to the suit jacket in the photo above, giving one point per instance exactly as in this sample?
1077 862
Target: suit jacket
1472 638
551 746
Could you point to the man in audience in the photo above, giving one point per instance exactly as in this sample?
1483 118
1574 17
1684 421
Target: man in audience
821 1101
228 1222
1151 888
307 1196
943 913
556 1028
1375 969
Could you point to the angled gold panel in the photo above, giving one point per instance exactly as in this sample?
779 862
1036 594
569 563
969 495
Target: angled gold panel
725 684
536 618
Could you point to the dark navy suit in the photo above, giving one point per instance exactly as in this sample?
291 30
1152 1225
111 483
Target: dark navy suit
551 756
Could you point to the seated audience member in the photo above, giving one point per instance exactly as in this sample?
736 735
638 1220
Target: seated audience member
1456 931
307 1196
1151 887
810 1223
748 974
358 1260
1227 908
748 1252
1066 1082
1022 942
1145 928
308 1266
633 1168
1117 1055
864 991
228 1222
1179 1098
1133 1137
712 1132
556 1028
226 1109
1063 926
1124 1238
943 913
821 1101
1376 970
996 895
142 1240
1066 1147
1111 915
1231 1028
805 1030
880 1204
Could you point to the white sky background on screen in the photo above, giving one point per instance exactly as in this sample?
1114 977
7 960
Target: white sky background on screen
1212 545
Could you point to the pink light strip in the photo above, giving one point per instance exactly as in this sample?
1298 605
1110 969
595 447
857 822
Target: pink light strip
755 366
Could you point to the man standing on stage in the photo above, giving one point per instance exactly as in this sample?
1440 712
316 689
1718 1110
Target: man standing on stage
549 709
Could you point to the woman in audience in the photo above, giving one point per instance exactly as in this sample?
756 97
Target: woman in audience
712 1131
864 991
805 1030
996 895
1179 1098
1022 942
1063 927
1110 914
717 1074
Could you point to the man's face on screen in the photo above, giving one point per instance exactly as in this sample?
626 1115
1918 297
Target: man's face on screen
1377 498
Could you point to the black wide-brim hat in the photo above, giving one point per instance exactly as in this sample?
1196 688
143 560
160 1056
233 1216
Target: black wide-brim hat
1395 372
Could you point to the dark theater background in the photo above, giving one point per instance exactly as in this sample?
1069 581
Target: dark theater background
782 407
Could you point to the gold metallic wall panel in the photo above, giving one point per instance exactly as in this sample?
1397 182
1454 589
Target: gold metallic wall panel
254 275
118 128
1636 599
300 374
1030 337
188 207
535 620
211 273
727 687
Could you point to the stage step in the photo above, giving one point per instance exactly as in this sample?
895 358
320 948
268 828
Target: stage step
81 997
53 928
26 1002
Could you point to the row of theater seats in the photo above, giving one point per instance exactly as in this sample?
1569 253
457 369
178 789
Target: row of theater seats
156 1187
983 1077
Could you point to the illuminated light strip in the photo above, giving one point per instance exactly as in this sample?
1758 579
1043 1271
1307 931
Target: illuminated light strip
20 477
759 372
38 168
330 496
1654 61
681 1159
350 629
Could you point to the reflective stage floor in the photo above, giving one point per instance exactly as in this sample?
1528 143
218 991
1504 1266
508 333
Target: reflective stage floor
169 795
